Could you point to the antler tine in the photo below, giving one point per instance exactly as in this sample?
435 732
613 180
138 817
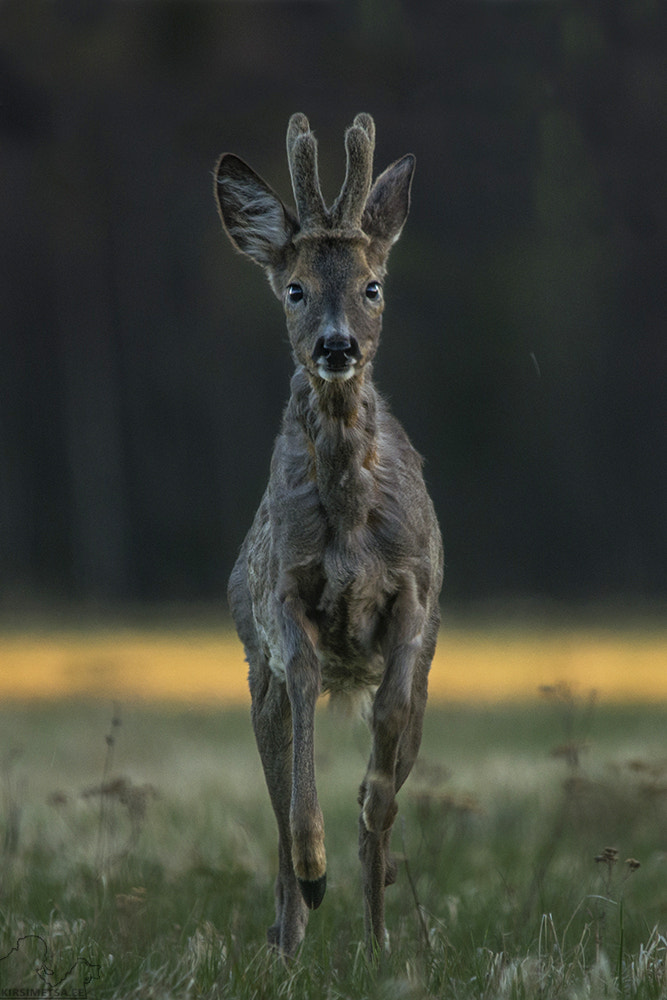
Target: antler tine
359 144
302 159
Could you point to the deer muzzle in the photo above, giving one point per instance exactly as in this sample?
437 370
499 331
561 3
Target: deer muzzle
336 354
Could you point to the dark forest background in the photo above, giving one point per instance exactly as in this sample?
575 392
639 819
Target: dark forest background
144 366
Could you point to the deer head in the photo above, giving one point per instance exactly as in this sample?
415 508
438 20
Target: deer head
326 265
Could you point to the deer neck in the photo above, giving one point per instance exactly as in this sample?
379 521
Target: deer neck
339 420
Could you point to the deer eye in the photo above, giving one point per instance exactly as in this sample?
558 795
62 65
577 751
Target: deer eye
373 290
294 292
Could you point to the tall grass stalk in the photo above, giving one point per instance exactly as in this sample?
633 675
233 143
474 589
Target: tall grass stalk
101 854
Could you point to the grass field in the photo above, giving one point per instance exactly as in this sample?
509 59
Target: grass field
139 851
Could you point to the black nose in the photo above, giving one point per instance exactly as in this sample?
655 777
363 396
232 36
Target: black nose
337 349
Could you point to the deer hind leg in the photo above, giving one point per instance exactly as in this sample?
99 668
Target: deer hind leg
397 719
272 722
378 811
378 799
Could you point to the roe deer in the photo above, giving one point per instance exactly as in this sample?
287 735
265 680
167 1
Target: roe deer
337 582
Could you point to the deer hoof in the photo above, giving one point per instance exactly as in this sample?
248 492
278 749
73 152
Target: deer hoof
313 892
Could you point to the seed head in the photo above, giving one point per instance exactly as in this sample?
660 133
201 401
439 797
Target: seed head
608 857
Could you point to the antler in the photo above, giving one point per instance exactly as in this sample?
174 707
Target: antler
348 208
359 144
302 159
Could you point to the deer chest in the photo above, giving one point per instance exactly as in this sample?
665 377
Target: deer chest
347 600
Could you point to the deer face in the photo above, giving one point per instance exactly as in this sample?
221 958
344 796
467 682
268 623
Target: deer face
333 303
326 265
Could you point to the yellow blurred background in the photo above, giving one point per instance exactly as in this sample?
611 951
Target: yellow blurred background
206 666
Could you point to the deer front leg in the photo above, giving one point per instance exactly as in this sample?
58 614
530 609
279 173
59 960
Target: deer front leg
303 678
401 695
272 723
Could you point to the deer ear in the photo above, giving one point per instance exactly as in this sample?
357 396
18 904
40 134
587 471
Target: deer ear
254 217
388 204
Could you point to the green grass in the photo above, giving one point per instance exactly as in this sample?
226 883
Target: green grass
166 881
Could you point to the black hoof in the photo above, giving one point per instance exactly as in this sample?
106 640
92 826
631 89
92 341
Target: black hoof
313 892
